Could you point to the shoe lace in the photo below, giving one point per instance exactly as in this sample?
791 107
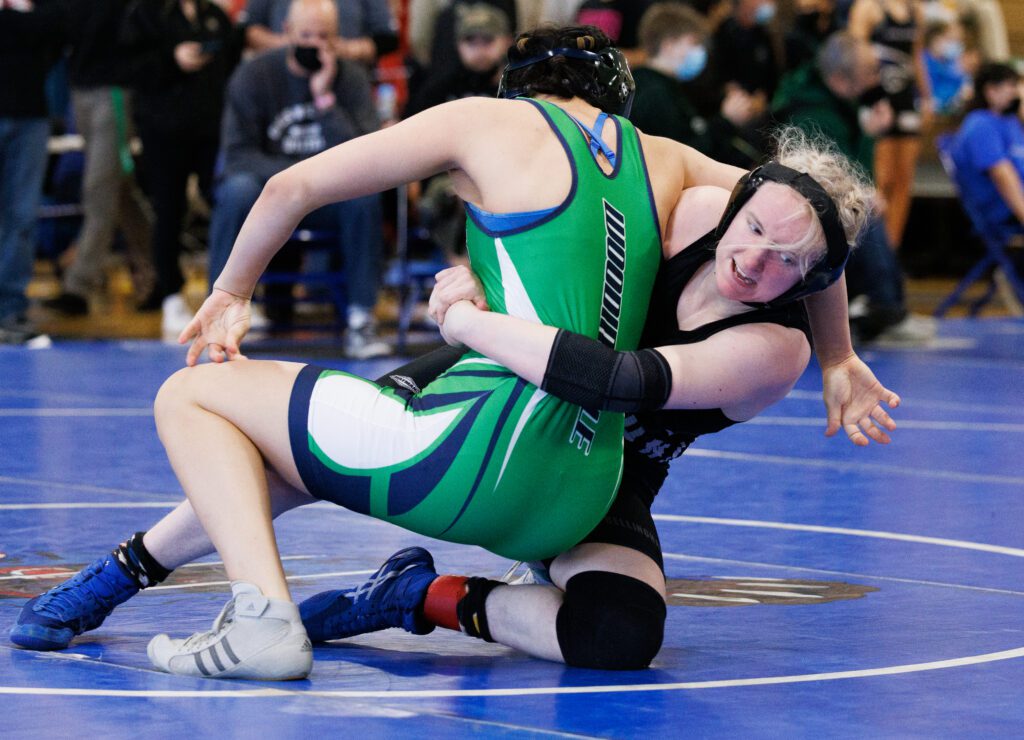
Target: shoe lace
77 596
201 639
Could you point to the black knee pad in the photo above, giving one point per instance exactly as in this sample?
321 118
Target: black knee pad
610 621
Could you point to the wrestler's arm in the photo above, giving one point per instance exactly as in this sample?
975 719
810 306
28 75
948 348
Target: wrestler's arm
421 146
439 139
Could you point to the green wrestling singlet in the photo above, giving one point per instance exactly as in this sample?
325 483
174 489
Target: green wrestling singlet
481 456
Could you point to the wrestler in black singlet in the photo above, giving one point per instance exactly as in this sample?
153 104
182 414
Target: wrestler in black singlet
652 439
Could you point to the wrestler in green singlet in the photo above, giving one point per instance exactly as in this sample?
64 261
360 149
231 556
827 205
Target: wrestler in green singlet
481 456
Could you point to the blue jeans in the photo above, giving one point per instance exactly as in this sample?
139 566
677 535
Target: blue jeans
357 223
874 271
22 167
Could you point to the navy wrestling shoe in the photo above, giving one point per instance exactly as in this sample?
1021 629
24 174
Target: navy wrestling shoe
392 597
80 604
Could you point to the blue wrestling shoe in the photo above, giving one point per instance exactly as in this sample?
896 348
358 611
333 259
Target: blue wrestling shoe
80 604
390 598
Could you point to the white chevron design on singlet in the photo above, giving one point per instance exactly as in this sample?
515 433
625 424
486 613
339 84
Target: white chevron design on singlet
517 302
359 427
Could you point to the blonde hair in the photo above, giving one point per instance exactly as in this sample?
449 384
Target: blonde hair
846 182
843 181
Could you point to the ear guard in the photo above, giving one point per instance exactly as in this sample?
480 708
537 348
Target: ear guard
837 250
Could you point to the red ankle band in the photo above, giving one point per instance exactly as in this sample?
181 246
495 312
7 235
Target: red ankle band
443 596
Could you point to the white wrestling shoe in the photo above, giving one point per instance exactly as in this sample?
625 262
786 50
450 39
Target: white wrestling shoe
253 637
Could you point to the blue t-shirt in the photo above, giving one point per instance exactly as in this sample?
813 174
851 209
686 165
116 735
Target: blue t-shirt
984 140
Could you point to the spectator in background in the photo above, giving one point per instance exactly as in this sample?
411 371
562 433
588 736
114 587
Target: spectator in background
28 45
619 19
897 28
943 58
366 28
483 35
988 149
813 22
282 107
746 50
178 104
100 67
823 98
674 39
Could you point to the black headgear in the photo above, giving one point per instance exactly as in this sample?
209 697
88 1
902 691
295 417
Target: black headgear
825 271
613 87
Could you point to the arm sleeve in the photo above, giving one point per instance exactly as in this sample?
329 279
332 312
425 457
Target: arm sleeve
585 372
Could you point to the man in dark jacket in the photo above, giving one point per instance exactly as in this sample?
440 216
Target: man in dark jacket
284 106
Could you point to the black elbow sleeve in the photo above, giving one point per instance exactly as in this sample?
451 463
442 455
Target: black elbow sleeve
585 372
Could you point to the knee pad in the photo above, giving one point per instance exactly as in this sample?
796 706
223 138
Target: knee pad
610 621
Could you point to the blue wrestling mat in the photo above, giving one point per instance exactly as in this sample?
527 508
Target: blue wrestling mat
816 590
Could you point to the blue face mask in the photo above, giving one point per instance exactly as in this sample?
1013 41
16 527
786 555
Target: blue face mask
765 13
693 63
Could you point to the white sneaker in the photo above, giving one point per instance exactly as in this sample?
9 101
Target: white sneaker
253 637
361 340
913 331
258 320
176 315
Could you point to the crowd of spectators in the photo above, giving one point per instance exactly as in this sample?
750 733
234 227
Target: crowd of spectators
230 98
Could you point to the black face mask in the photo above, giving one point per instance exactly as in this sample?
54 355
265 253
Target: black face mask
308 57
871 96
1012 109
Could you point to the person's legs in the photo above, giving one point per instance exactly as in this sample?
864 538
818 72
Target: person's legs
22 167
167 160
895 162
51 620
218 424
95 118
235 198
359 229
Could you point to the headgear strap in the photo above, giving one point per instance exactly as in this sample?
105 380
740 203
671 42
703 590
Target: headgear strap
837 250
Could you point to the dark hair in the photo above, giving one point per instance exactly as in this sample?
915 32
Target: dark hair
559 76
935 29
992 73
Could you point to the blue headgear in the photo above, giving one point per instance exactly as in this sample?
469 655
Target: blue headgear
829 268
613 87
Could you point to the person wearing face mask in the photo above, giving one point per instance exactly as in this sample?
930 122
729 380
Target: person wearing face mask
988 149
943 58
482 35
674 38
282 107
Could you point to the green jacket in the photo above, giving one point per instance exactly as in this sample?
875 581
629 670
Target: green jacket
804 100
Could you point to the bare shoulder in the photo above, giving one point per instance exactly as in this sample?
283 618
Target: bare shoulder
697 212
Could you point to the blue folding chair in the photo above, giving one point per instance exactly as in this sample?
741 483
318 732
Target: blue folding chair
332 279
995 244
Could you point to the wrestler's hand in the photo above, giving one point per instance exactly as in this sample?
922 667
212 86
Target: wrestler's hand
853 396
219 324
456 318
451 285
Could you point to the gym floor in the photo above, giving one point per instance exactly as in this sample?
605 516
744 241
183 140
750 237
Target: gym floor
815 589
